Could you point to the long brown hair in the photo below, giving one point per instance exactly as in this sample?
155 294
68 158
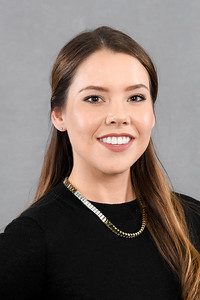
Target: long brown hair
166 218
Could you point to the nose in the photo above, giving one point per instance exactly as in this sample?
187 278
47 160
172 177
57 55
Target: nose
118 117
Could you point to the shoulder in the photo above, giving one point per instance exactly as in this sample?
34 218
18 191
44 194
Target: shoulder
190 204
191 208
42 220
57 206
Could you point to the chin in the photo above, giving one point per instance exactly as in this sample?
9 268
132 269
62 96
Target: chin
114 170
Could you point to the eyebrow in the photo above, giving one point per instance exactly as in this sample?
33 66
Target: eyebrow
102 89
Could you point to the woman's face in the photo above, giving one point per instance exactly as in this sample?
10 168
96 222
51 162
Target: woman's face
109 96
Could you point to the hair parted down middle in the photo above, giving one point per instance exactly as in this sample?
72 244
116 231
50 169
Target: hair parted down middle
166 218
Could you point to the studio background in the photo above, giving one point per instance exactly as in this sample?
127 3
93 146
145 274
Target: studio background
32 32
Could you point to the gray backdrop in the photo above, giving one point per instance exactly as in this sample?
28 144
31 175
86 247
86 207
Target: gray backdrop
33 31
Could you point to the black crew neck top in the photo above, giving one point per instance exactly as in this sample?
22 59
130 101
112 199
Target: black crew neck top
59 249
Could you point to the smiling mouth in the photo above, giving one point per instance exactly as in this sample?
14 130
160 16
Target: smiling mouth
122 140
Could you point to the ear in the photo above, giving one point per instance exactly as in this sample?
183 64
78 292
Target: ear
154 121
57 119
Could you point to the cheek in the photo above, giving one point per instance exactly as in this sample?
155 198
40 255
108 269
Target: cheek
145 122
80 122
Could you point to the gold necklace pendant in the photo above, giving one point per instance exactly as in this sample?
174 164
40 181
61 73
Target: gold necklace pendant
101 216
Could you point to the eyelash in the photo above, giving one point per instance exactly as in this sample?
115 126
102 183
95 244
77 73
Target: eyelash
96 96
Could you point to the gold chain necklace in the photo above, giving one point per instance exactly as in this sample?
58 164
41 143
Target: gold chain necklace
111 226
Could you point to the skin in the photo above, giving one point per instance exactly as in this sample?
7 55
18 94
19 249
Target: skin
100 174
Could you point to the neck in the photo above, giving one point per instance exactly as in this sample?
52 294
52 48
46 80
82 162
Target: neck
104 188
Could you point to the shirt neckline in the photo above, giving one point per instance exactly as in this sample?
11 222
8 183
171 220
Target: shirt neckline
118 213
117 205
122 204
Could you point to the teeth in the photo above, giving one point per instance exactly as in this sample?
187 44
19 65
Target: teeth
116 140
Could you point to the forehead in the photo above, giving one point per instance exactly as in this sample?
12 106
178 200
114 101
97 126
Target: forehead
108 68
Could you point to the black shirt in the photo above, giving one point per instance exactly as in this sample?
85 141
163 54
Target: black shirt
59 249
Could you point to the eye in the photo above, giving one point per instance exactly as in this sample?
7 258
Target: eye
138 96
92 99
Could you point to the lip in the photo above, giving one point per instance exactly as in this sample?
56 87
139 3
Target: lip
116 134
117 148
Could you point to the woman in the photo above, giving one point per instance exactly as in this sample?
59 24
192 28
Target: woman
105 223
